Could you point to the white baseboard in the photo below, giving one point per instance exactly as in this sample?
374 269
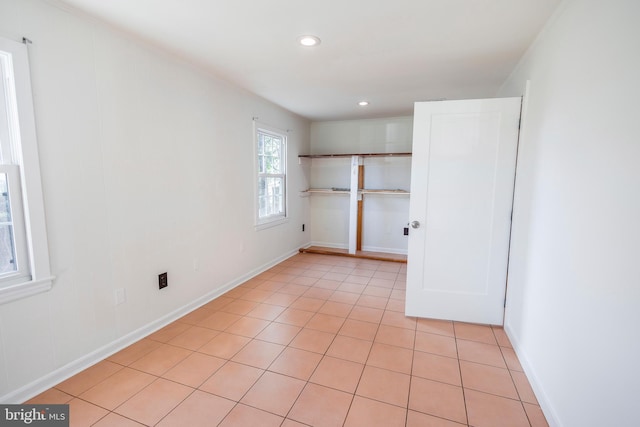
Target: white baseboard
545 404
384 250
364 248
330 245
70 369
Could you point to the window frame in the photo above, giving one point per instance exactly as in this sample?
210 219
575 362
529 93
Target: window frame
24 158
277 219
21 255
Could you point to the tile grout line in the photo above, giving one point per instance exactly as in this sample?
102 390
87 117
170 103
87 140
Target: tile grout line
413 356
464 395
514 383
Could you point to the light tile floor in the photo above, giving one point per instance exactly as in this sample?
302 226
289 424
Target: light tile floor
319 341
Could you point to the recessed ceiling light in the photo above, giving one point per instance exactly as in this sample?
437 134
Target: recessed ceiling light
363 103
308 41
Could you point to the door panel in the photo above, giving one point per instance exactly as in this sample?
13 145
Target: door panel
463 169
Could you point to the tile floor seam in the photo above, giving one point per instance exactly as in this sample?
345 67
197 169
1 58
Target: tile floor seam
413 356
227 414
177 346
382 401
294 403
123 416
440 418
155 375
239 402
517 390
442 355
213 394
102 417
104 379
526 413
493 394
477 342
94 404
353 397
464 395
187 385
172 409
442 382
130 363
364 366
484 364
111 410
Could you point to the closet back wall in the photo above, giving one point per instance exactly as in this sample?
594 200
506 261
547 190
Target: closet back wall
384 217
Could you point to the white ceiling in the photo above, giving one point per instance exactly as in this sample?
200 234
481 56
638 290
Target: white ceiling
389 52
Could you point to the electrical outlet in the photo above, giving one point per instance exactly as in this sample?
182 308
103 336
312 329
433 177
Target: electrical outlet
162 281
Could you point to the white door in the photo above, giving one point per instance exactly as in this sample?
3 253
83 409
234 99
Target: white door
462 176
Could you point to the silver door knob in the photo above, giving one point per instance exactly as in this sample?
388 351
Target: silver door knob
415 224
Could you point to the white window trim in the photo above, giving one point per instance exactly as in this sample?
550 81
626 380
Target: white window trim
264 223
21 258
25 154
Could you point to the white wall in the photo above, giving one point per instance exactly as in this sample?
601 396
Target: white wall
384 216
147 166
574 281
386 135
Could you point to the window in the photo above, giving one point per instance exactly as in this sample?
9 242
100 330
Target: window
24 256
13 243
271 149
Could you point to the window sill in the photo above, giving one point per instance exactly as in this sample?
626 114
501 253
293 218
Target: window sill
273 223
25 289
